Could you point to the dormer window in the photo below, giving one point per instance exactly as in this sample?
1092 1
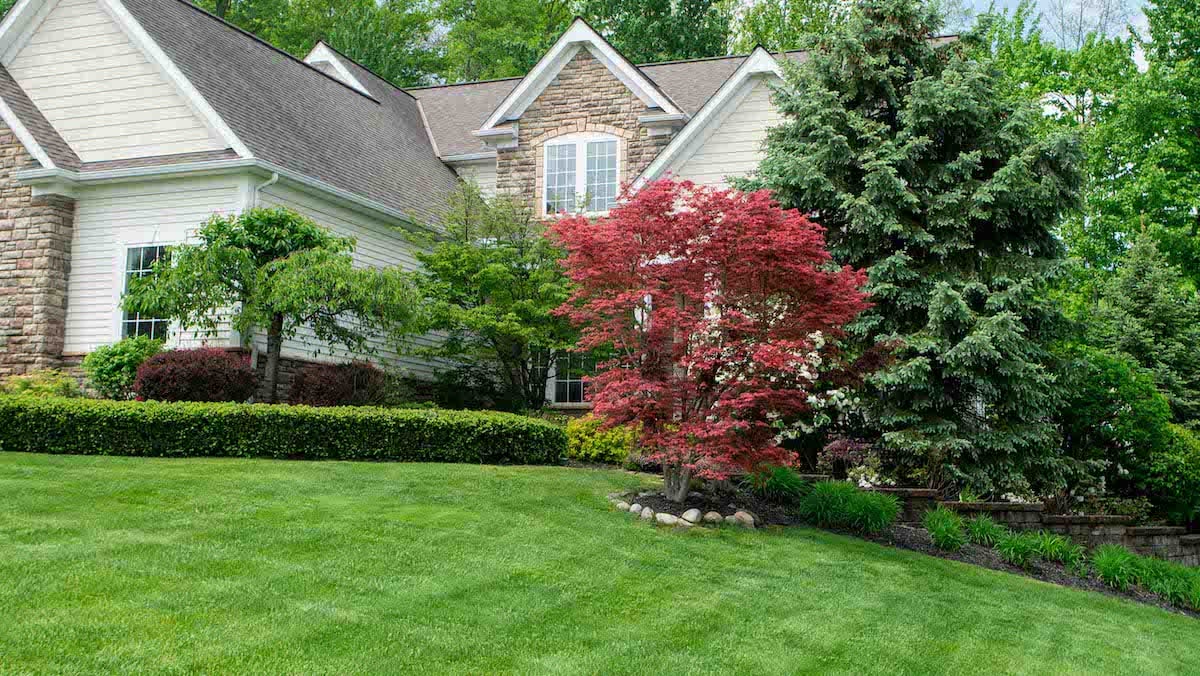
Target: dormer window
581 173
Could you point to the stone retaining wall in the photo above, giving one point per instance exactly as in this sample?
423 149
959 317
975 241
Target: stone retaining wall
1015 515
1090 530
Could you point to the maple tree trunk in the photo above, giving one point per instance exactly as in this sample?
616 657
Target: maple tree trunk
274 349
676 480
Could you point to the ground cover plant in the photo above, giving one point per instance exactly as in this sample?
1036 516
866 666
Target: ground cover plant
243 565
45 383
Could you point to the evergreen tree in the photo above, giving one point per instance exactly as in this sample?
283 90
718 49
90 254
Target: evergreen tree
927 174
1149 313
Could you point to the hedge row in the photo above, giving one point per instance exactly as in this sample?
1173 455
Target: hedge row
95 427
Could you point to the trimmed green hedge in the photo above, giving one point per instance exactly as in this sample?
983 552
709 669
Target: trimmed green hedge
94 427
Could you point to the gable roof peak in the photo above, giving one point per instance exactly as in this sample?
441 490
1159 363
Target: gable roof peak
578 34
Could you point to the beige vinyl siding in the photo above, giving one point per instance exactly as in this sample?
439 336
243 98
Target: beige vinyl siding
734 147
101 93
108 220
378 245
483 173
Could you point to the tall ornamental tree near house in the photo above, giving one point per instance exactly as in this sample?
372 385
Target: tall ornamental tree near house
490 286
719 307
927 174
275 270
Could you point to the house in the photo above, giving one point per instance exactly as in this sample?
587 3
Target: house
127 123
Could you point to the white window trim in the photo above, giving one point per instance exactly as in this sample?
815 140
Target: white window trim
580 141
119 271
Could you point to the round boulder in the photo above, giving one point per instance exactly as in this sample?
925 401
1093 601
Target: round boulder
743 518
692 516
666 519
713 517
623 506
647 513
635 508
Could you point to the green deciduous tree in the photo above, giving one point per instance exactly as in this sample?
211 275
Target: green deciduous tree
662 30
491 286
394 38
1148 312
1147 160
927 174
499 38
275 270
781 25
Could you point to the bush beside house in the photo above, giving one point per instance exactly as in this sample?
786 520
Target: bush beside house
204 374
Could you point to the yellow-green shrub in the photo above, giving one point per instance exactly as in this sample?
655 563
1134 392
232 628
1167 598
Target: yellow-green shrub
47 383
588 443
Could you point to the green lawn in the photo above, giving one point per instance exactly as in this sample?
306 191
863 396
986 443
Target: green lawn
126 564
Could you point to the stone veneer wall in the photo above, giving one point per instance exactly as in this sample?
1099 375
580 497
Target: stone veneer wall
584 97
35 259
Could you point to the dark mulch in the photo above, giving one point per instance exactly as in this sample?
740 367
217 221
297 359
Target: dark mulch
900 536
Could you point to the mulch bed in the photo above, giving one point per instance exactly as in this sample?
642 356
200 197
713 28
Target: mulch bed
902 537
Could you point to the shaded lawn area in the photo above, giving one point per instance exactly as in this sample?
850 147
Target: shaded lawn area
129 564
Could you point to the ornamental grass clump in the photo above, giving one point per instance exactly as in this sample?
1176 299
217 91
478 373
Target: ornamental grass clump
984 531
837 504
1018 549
778 484
1116 566
945 528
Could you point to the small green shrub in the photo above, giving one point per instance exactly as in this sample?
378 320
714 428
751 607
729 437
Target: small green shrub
1059 549
825 504
838 504
984 531
872 512
1018 549
781 485
112 369
945 527
195 429
1116 566
47 383
587 442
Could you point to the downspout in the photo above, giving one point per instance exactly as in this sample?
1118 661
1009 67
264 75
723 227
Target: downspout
253 202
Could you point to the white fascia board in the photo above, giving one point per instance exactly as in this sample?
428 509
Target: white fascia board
61 181
760 63
579 35
20 24
322 52
469 158
23 135
142 39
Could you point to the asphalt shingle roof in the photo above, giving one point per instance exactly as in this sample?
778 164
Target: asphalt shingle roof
295 116
454 111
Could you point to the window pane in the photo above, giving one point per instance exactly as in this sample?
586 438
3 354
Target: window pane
139 262
601 175
560 178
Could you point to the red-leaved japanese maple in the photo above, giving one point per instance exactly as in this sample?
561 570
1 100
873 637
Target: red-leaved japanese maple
718 306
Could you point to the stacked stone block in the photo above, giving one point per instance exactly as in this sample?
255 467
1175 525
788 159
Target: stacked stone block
35 260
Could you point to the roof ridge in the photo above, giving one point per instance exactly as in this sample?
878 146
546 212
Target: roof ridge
379 77
464 84
252 36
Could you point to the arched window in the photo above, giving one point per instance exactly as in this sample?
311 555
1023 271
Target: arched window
581 173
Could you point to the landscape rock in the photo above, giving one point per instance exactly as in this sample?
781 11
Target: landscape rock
730 519
635 508
692 516
623 506
666 519
647 513
743 518
713 517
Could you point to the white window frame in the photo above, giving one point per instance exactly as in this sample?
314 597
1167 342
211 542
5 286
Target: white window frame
578 360
580 141
121 270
